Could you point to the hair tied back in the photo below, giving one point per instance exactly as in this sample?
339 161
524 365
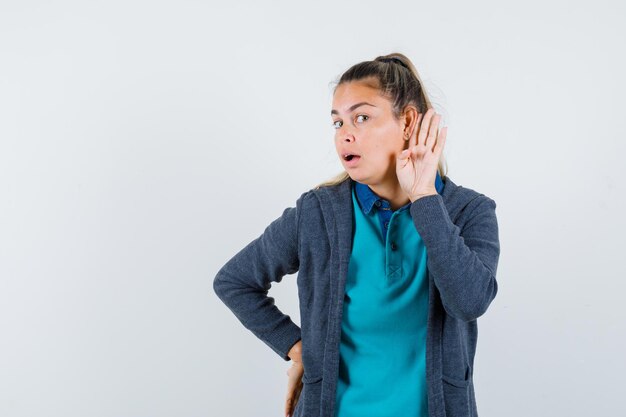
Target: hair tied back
393 60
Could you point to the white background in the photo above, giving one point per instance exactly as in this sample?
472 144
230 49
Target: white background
144 143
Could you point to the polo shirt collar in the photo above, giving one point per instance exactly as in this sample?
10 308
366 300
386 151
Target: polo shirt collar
367 198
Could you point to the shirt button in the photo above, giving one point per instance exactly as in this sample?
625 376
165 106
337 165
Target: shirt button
393 246
386 224
377 203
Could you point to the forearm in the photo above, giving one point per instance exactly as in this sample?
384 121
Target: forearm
463 266
258 313
244 281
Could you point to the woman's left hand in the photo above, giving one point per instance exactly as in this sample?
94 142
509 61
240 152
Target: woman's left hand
294 387
416 166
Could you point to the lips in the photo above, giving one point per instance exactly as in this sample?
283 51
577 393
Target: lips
350 156
351 160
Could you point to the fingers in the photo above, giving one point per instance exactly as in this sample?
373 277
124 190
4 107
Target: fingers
432 131
404 154
297 398
427 137
429 130
441 141
423 131
288 407
413 140
289 404
292 399
294 386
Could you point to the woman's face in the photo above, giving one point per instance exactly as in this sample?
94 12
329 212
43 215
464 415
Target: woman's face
367 130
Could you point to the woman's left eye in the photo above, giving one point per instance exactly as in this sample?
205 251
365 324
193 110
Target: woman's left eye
362 115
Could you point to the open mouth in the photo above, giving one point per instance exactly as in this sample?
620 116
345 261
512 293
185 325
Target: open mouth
350 157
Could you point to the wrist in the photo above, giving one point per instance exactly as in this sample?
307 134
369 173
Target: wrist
295 353
419 195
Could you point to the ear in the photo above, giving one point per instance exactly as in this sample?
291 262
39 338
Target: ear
409 120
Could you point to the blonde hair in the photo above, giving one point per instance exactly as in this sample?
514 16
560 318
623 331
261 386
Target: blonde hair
398 80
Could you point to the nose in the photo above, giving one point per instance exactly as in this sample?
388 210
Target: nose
344 134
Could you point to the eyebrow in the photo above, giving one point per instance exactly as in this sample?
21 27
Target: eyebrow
354 106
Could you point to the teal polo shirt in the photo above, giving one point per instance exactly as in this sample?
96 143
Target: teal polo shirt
382 368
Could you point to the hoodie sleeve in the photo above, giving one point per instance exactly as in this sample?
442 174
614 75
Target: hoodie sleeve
244 281
463 262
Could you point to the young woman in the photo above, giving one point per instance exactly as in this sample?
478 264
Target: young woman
395 264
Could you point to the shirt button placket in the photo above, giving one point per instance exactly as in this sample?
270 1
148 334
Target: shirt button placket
394 261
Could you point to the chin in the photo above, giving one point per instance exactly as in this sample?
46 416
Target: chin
353 176
358 178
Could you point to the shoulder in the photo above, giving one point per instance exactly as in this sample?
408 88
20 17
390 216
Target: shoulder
306 204
306 198
463 202
337 193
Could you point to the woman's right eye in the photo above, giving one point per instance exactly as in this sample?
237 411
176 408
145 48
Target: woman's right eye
335 124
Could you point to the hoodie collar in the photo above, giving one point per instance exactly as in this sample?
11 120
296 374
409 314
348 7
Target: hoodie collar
368 199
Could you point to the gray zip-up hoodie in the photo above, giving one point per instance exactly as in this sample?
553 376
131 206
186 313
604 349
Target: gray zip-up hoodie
460 231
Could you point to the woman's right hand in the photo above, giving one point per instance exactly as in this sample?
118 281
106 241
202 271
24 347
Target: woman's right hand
294 386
